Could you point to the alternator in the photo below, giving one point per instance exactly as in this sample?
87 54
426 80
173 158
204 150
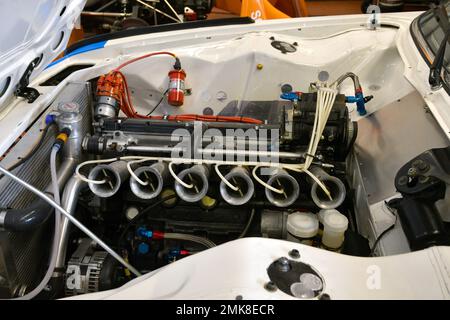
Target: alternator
84 269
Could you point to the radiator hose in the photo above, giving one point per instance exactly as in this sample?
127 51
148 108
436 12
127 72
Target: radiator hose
38 212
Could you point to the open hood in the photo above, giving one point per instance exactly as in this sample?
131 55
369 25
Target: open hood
34 32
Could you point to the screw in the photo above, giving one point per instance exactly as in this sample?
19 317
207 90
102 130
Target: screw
270 286
259 66
294 254
403 180
239 297
424 166
283 264
416 163
421 165
324 296
423 179
412 172
272 38
295 44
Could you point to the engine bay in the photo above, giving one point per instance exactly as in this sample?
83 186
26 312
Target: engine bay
154 186
177 185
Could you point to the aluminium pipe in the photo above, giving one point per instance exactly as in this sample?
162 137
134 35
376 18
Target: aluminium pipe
69 202
105 14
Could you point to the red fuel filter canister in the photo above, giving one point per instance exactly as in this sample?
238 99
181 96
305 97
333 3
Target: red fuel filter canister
176 87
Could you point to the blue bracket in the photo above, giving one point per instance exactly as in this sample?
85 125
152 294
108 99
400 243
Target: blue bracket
359 99
291 96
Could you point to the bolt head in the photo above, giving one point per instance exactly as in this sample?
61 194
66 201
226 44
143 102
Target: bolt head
403 180
294 254
423 179
412 172
324 296
421 165
270 286
283 264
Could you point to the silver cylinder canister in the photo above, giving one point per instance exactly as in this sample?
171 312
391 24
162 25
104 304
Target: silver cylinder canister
106 107
69 116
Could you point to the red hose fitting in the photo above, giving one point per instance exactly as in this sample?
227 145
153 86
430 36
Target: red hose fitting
158 235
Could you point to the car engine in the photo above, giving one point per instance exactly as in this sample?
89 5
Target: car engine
157 188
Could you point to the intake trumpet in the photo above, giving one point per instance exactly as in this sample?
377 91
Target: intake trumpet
113 175
197 177
239 178
334 185
283 181
153 176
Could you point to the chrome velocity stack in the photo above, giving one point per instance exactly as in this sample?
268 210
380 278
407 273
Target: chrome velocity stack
283 181
197 178
240 178
153 176
334 185
113 175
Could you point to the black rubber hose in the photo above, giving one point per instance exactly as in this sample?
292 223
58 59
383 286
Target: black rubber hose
27 219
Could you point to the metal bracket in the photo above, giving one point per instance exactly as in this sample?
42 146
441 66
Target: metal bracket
22 89
374 19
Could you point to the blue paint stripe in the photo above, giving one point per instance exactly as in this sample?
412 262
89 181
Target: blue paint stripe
89 47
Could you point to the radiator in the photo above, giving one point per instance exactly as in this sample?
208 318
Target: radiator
24 255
